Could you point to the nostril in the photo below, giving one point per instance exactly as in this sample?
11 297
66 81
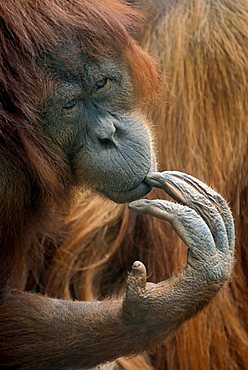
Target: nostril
105 141
108 142
105 132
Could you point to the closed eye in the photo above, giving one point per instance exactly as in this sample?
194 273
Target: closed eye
70 106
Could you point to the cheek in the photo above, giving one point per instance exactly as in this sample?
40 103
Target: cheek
64 130
63 137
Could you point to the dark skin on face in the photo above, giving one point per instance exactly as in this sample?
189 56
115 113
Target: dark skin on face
93 117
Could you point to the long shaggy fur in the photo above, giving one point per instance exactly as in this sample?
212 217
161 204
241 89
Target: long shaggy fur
201 129
33 193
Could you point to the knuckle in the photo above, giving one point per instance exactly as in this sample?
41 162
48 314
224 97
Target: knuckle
215 269
220 271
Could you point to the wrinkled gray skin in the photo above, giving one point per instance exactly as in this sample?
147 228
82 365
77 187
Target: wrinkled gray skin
81 335
105 139
107 146
203 220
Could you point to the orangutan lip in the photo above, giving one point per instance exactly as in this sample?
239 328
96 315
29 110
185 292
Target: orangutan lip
143 182
130 195
137 186
136 192
132 189
151 170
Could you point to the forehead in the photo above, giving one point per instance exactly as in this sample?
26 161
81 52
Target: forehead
66 61
70 61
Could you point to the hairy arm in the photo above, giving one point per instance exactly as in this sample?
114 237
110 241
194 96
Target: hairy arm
43 333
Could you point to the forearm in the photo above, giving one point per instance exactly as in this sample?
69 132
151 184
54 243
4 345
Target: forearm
42 333
37 332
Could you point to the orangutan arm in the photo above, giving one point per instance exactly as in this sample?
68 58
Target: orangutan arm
43 333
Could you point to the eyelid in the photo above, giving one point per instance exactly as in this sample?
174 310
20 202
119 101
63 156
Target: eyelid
105 85
70 106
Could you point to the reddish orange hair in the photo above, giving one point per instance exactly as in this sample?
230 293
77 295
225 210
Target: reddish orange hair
202 129
28 29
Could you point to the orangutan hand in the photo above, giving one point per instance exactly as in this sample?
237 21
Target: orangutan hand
203 220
